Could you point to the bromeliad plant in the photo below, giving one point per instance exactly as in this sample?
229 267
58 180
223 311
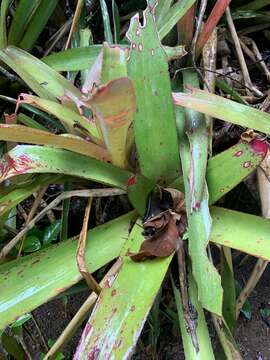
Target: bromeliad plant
127 99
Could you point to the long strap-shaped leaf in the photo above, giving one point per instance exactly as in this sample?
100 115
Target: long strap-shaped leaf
239 230
204 343
68 117
62 279
154 121
42 79
20 133
82 58
193 147
119 315
114 104
223 109
236 162
23 13
37 23
3 24
73 59
30 281
173 15
244 232
25 159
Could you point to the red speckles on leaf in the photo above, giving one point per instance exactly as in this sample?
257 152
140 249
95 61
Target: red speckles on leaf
239 153
10 119
247 164
132 180
14 166
132 308
259 146
87 328
197 205
93 353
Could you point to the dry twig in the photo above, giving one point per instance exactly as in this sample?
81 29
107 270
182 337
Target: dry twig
80 256
81 193
31 214
241 59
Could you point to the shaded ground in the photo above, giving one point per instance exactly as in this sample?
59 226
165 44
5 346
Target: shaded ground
252 335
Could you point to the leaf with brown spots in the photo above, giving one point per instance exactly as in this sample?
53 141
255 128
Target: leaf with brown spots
160 245
162 230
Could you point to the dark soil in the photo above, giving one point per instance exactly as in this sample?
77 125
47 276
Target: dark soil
252 336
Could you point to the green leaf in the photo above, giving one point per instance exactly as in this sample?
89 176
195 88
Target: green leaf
37 23
122 308
224 109
51 233
114 104
83 58
138 190
204 342
74 59
58 355
69 118
106 22
193 152
44 81
236 163
254 5
229 89
176 12
3 23
21 320
25 159
18 193
162 9
30 281
228 285
240 231
28 121
116 22
49 120
196 144
19 133
31 244
154 121
13 348
23 13
234 168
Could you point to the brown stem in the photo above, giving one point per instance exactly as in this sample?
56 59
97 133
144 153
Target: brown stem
80 256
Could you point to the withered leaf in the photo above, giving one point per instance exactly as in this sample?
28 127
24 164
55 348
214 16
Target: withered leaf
164 243
162 230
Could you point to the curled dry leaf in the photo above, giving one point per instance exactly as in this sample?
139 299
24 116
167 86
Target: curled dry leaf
164 222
